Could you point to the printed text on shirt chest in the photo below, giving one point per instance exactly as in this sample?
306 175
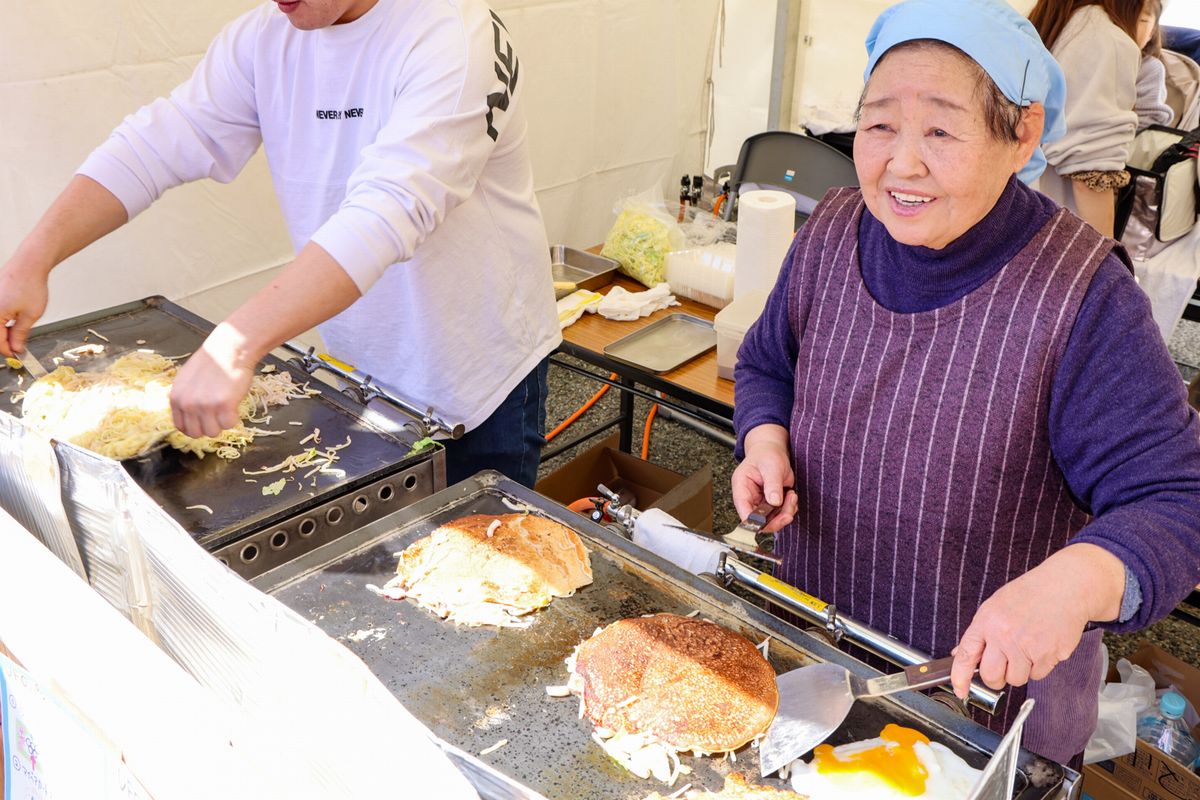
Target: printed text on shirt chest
339 113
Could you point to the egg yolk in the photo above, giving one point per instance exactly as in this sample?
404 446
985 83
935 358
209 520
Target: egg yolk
894 762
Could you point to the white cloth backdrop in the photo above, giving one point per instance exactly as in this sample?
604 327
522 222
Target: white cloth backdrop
741 76
1183 13
616 101
831 57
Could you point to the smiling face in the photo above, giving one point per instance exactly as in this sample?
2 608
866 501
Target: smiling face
929 165
309 15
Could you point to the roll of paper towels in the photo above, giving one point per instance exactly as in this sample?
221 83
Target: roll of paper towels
766 222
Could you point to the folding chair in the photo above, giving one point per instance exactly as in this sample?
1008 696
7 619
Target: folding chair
803 166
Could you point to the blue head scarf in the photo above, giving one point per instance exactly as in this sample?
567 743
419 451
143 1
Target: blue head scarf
999 39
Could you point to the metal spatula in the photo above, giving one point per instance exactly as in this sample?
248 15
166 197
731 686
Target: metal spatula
29 363
814 702
27 359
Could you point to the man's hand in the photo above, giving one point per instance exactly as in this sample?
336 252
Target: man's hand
209 387
84 212
1035 621
766 474
23 298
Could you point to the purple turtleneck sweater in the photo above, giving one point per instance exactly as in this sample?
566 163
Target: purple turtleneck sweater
1120 429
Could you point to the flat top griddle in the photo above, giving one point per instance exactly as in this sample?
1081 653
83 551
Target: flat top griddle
475 686
176 480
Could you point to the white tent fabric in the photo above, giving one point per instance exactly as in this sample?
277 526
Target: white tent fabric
616 101
1182 13
741 76
831 57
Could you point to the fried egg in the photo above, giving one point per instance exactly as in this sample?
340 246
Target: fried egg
901 764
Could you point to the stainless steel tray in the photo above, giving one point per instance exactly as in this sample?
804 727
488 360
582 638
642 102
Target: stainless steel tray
475 686
585 270
664 345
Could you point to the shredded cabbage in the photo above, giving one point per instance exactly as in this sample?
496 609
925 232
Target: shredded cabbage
639 241
124 409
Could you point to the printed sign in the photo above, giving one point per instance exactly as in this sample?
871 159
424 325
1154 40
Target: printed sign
50 752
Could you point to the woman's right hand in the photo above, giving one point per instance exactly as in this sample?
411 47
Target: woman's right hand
766 474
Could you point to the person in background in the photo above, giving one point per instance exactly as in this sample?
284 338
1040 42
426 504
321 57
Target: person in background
396 138
1151 105
1095 43
957 395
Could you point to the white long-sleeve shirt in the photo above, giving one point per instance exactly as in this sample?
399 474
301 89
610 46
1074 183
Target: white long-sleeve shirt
396 142
1100 62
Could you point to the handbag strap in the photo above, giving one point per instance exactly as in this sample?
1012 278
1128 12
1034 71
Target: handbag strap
1186 147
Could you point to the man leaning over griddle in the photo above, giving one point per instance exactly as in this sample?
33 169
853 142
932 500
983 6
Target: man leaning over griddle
395 137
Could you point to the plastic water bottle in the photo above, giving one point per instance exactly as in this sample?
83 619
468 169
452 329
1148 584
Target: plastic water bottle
1165 729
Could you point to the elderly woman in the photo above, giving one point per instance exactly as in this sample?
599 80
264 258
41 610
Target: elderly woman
956 392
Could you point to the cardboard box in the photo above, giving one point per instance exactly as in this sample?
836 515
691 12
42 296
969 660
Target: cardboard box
688 499
1148 773
1098 784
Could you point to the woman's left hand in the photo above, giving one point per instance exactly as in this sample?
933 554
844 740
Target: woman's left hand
1035 621
208 388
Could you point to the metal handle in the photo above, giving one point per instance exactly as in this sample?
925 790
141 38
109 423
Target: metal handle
366 390
930 673
818 612
757 519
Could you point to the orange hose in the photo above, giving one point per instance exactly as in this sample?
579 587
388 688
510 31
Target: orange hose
717 205
583 505
646 432
566 423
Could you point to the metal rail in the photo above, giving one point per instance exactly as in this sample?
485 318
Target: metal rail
558 449
825 616
668 398
363 389
693 402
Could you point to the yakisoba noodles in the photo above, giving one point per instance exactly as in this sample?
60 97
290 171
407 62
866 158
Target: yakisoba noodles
122 410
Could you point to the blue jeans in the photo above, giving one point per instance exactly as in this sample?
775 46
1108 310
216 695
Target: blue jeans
510 440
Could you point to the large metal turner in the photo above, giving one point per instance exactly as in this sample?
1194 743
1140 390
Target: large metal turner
814 702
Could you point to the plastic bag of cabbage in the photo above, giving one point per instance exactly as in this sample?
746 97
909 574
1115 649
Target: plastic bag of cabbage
642 236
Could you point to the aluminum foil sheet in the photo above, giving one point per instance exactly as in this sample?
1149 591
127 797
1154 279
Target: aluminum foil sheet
31 493
298 690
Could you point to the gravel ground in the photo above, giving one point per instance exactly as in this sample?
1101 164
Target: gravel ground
684 450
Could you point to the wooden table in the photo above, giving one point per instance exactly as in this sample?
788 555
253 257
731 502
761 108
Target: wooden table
692 389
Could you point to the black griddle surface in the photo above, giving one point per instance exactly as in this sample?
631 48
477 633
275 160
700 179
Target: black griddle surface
475 686
177 480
